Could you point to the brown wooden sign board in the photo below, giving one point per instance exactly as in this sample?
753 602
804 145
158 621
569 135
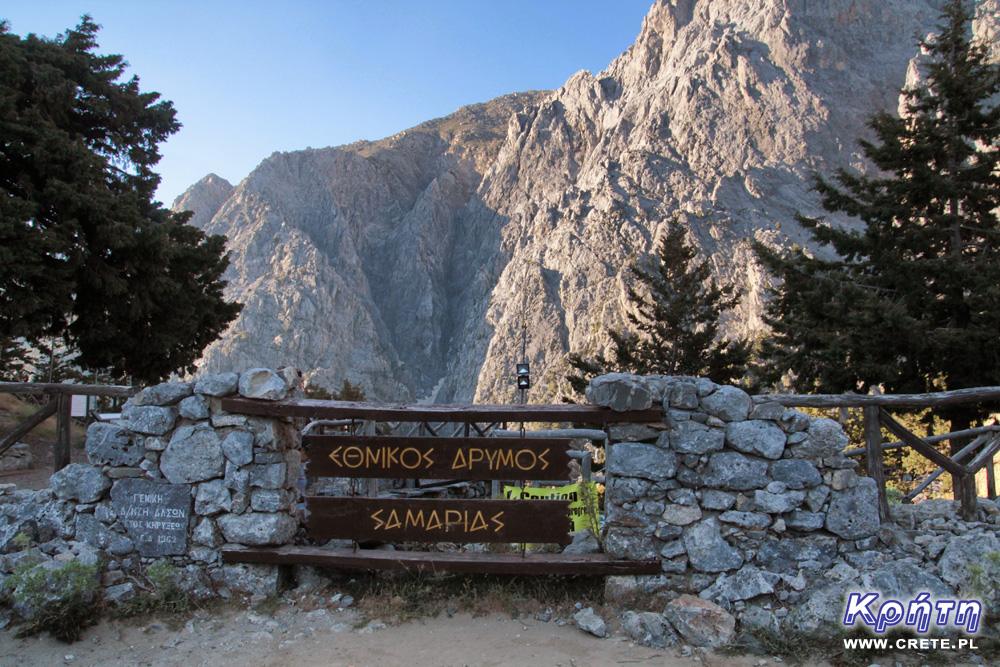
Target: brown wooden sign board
401 457
406 520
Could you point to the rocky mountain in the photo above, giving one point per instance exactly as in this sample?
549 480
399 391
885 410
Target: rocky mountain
419 264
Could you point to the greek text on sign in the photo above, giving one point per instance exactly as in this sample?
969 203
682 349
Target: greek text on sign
388 519
155 515
456 458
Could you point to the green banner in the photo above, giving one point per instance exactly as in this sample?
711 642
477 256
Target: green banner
582 495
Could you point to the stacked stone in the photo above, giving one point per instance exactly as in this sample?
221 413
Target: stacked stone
17 457
750 505
220 478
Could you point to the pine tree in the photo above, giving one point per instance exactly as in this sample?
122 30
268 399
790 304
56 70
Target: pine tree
85 252
676 320
912 302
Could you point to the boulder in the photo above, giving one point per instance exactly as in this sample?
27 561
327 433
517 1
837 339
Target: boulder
649 629
796 473
258 528
263 384
590 622
635 459
700 622
238 447
756 437
112 444
690 437
706 549
194 407
824 437
151 419
193 455
735 472
80 482
619 391
853 512
221 384
165 393
730 404
746 583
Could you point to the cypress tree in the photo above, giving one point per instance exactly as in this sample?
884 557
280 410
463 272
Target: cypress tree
675 316
912 300
85 252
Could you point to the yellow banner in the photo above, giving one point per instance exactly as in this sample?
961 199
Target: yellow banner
580 499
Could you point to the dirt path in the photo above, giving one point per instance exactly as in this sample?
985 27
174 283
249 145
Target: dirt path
334 639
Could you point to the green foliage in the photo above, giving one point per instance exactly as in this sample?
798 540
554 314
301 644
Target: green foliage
912 303
21 541
85 252
676 316
164 598
61 600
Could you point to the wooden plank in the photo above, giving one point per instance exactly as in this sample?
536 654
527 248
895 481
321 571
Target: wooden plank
31 422
421 520
965 451
67 388
60 452
984 457
937 399
433 562
919 445
873 444
317 409
402 457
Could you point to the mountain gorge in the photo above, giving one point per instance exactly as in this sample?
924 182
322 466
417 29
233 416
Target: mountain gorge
418 265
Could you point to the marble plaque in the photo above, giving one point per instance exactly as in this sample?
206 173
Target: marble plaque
155 515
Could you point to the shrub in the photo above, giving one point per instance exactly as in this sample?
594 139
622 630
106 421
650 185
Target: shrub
55 597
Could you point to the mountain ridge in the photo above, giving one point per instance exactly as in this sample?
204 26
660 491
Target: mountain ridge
416 264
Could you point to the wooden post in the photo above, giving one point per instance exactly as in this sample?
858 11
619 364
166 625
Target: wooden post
61 449
873 445
991 482
970 499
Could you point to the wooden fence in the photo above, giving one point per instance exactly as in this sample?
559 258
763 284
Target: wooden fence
60 397
876 417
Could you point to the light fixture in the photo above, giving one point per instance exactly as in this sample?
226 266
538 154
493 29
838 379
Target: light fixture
523 376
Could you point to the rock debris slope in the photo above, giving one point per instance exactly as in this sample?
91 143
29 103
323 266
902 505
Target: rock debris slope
415 264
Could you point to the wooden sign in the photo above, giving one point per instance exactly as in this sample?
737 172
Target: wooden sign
402 457
392 519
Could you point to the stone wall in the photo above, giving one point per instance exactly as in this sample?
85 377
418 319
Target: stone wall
175 479
753 507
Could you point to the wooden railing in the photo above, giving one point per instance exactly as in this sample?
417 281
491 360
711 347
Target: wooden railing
877 417
59 404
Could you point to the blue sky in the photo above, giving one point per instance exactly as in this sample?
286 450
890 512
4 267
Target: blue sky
249 78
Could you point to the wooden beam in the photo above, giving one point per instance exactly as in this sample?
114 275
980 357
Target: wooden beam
984 457
873 443
434 562
67 388
919 445
420 520
936 399
559 412
31 422
402 457
965 451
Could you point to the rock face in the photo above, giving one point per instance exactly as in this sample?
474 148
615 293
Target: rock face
413 264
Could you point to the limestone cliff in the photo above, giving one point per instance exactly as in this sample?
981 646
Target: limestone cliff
415 264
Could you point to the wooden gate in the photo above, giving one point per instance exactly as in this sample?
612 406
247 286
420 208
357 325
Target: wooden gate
376 518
